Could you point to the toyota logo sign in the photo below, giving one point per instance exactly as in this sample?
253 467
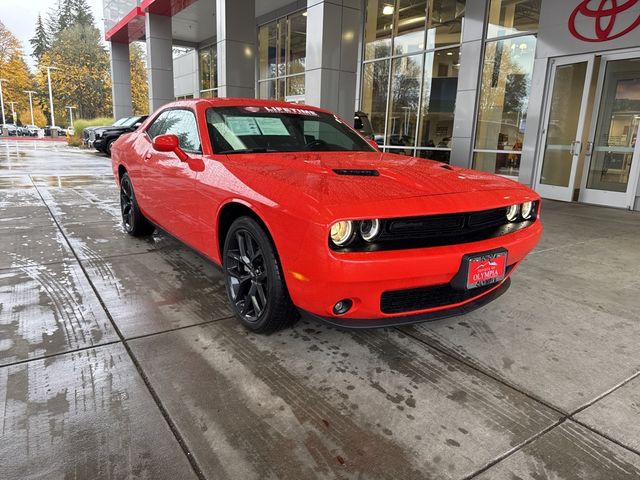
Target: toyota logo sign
610 19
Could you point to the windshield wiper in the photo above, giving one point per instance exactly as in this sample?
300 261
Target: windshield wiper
249 150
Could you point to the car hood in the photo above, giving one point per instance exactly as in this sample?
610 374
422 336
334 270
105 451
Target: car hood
362 177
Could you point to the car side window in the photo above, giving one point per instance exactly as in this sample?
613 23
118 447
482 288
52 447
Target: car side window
157 127
182 123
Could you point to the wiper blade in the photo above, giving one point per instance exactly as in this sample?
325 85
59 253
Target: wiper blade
249 150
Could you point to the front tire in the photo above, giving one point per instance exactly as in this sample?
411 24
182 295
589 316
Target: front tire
133 221
107 149
253 279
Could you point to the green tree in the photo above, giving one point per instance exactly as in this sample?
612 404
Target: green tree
83 79
15 70
81 13
139 86
40 41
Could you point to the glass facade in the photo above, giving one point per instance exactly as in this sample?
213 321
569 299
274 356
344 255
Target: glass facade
410 70
282 50
505 85
207 63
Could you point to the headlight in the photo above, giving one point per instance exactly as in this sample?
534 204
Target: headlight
369 229
342 233
526 210
512 212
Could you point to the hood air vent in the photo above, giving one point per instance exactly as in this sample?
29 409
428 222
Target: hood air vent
356 172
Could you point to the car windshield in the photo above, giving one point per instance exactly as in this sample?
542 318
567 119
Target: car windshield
130 122
120 121
279 129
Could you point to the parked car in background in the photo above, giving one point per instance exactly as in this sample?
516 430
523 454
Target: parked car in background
47 130
12 129
87 138
31 130
105 136
305 216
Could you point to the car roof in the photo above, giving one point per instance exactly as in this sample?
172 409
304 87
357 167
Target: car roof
239 102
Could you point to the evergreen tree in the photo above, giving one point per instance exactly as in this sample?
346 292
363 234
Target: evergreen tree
40 41
81 13
83 78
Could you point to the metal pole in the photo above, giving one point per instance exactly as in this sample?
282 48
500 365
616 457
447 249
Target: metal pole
30 92
2 99
70 115
53 121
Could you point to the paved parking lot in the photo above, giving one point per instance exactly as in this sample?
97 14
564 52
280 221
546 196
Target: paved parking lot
119 358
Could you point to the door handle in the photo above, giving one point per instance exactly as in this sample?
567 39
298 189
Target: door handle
574 150
147 156
589 149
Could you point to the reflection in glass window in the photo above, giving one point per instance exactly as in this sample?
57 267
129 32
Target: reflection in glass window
378 27
504 98
445 23
207 58
182 123
406 79
439 98
410 27
282 51
297 43
268 50
410 99
375 84
509 17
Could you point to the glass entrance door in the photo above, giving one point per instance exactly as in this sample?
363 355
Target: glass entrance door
611 176
562 141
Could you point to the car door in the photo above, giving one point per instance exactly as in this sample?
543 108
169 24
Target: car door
168 181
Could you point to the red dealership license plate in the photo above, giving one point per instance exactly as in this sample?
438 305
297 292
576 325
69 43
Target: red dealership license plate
486 269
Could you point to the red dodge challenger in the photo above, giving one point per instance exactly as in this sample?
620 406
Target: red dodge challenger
305 216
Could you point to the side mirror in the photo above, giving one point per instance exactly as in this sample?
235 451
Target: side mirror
170 143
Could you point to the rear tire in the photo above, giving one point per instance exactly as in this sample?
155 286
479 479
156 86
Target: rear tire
133 221
254 280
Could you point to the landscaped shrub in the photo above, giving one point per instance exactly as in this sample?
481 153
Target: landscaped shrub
80 124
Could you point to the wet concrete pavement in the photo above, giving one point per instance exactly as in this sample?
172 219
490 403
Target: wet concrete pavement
119 357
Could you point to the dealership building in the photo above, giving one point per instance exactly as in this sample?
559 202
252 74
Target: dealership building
543 91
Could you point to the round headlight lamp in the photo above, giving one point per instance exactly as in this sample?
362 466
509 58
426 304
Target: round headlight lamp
526 210
369 229
512 212
341 233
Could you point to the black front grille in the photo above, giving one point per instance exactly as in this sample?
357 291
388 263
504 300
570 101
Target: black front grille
438 230
400 301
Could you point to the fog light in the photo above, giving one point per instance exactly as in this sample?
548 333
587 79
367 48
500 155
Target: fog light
512 213
342 306
526 210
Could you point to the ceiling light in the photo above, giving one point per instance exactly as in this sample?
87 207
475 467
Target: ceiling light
387 10
449 53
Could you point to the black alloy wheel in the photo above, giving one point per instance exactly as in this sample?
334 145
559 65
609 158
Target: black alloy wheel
254 280
248 284
133 221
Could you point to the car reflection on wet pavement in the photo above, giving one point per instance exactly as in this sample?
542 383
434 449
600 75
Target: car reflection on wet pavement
119 357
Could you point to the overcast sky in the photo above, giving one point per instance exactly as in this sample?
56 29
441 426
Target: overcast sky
20 17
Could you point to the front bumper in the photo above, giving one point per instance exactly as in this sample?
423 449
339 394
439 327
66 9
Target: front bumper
318 284
428 316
